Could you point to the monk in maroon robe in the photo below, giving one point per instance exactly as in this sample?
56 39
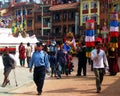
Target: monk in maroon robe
113 61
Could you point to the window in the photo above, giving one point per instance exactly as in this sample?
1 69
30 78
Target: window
64 16
46 9
56 17
38 32
93 5
46 32
38 18
85 6
116 7
71 15
94 16
29 23
29 11
46 20
24 12
58 31
19 12
85 18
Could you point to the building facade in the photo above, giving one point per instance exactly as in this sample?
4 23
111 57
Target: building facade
65 17
89 9
54 18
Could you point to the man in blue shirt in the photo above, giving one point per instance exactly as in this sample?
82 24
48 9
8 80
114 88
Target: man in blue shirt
41 63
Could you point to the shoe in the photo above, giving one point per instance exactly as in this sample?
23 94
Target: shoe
8 82
58 77
39 93
78 75
98 91
5 83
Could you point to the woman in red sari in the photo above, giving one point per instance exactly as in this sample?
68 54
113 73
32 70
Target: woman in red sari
22 55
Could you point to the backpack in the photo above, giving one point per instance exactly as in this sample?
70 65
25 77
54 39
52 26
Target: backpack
52 48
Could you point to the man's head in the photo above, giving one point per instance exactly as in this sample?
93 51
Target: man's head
98 45
39 46
28 44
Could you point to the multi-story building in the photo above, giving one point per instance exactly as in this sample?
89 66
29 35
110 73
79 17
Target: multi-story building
31 18
106 7
64 17
46 19
89 9
114 6
24 17
57 17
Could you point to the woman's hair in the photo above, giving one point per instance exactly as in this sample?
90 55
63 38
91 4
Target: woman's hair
6 50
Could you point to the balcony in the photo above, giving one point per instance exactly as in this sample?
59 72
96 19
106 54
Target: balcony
85 12
29 27
29 16
45 25
94 10
47 14
37 25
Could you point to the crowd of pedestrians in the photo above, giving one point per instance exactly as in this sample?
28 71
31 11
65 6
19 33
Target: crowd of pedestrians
57 60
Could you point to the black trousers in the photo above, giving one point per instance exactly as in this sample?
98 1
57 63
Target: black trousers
82 67
39 77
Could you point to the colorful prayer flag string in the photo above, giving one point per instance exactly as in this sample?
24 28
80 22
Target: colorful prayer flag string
114 30
89 37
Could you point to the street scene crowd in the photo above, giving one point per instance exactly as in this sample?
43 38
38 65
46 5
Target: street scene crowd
56 59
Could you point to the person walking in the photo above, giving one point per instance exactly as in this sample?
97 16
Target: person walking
82 61
60 62
99 63
28 53
53 64
9 63
41 63
113 61
22 54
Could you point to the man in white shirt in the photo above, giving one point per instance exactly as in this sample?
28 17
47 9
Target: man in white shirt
99 63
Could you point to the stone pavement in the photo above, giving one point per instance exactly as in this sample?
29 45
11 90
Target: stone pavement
66 86
23 76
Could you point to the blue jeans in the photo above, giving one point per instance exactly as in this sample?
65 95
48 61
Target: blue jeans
59 70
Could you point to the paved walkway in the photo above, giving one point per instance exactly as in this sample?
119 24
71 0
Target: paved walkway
22 74
66 86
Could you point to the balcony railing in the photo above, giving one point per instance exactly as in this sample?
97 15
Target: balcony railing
85 11
94 10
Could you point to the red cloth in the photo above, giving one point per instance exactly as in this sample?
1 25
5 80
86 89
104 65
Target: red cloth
113 61
68 59
114 34
22 54
90 44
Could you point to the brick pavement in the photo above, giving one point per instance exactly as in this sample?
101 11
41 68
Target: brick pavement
68 86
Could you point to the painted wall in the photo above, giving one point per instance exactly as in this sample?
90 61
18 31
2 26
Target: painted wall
88 4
